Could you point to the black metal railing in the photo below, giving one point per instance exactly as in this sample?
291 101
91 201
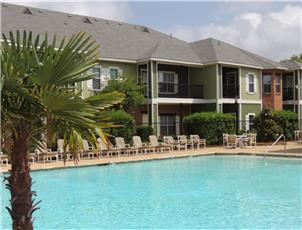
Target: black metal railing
180 90
288 93
230 91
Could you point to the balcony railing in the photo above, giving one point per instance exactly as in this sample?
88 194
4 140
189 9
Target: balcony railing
230 91
180 90
288 93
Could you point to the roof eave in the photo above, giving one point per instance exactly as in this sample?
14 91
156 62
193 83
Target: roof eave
170 61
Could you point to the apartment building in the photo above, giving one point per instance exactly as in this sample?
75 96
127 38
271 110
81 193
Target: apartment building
180 77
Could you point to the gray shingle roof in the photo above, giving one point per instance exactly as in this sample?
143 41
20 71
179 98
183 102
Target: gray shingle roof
117 40
291 64
211 50
125 41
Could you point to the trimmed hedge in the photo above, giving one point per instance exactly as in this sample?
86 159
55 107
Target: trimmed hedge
288 122
144 132
270 124
210 125
120 117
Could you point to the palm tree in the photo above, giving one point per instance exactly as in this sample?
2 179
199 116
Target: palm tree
35 75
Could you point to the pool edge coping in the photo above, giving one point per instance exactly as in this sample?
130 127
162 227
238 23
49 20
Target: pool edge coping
280 155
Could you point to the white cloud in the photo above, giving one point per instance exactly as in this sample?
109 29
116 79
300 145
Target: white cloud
119 11
276 35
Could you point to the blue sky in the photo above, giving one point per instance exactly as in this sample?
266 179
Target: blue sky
272 29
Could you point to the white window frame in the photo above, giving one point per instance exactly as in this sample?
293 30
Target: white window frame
141 76
114 68
247 120
167 124
248 83
280 78
174 82
89 83
263 75
100 79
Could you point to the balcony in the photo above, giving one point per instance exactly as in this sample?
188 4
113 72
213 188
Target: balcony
230 91
288 94
171 90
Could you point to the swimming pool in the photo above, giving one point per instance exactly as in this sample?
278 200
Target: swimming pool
199 192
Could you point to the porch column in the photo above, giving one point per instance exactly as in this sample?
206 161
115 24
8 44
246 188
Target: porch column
299 73
152 95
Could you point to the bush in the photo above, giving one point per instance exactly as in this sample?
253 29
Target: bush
120 117
210 125
288 122
144 132
266 127
133 92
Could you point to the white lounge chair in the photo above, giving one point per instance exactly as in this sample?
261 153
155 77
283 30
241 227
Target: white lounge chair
107 150
159 145
126 149
88 151
140 146
196 140
175 143
46 155
60 150
184 141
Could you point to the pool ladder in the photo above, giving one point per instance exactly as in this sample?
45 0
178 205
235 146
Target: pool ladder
270 147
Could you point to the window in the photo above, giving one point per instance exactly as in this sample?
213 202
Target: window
96 81
278 84
113 74
72 85
144 76
167 125
267 83
251 83
250 121
144 80
168 82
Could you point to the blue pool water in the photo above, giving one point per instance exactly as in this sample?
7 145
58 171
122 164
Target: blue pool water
200 192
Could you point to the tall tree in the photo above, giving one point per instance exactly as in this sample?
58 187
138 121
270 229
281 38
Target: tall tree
35 75
133 92
294 57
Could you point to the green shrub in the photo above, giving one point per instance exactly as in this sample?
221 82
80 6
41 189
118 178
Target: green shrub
210 125
288 122
120 117
144 132
266 127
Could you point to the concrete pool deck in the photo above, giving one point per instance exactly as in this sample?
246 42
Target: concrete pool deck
292 150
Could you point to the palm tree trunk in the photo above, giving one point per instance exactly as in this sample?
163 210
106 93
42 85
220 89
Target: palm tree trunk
19 184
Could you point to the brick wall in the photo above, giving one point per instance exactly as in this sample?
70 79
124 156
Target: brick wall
273 100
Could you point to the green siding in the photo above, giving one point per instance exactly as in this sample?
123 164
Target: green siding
244 94
205 76
129 69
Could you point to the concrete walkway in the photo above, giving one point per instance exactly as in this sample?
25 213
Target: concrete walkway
292 150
